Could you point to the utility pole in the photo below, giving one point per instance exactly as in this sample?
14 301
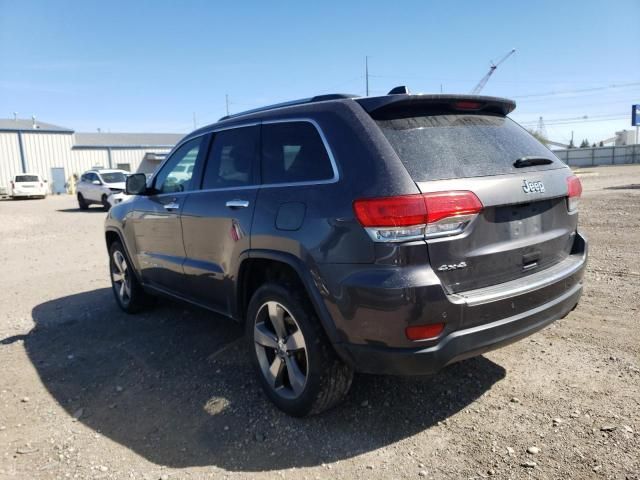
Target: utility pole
226 101
366 74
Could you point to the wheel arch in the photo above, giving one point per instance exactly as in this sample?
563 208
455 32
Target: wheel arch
252 273
111 235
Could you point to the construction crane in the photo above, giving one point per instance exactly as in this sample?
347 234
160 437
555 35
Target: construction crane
492 69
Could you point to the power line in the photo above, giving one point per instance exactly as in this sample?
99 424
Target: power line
575 122
580 90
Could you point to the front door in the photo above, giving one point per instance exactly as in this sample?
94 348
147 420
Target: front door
156 220
216 220
58 180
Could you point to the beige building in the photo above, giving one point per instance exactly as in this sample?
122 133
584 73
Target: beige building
56 153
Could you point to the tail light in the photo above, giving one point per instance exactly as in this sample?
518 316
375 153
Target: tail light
412 217
574 191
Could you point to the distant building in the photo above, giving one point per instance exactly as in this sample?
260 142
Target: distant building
625 137
57 152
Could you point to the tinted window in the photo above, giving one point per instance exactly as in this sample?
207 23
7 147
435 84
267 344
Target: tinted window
26 178
175 175
231 158
438 147
293 152
113 177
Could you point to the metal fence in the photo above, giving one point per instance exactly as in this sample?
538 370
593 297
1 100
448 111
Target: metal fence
592 156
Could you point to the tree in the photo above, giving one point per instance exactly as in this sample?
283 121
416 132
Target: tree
601 144
584 144
571 144
541 138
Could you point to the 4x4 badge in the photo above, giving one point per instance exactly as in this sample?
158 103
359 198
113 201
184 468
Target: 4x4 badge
454 266
531 187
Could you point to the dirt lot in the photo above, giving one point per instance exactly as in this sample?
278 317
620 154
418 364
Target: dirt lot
88 392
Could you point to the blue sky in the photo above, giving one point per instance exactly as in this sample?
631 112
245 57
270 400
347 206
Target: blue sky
149 65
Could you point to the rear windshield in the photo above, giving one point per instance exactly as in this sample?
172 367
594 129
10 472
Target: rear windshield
26 178
439 147
113 177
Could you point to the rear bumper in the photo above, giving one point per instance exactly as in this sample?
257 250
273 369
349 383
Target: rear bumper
460 344
475 321
27 194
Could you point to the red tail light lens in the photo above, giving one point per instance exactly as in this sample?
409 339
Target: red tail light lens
449 204
574 191
410 217
424 332
391 211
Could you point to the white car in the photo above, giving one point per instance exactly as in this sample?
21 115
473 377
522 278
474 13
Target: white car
28 185
96 186
148 166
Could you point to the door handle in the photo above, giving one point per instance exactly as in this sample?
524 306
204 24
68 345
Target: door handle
237 203
171 206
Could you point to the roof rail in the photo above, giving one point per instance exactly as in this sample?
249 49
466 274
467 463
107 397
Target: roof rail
302 101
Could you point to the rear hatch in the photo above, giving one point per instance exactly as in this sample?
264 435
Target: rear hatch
468 144
26 182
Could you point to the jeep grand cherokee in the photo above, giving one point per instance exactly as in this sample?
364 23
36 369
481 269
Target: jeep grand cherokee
393 234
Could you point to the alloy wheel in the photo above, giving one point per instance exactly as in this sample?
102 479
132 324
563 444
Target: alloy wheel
121 277
281 350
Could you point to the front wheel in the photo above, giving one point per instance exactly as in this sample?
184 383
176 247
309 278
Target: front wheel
105 203
127 290
294 360
82 203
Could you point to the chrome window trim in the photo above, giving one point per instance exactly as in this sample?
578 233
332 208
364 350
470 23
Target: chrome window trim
323 138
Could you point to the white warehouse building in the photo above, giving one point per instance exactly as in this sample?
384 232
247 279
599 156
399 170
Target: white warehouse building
56 153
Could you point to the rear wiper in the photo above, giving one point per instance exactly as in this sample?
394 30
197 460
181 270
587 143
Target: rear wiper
531 161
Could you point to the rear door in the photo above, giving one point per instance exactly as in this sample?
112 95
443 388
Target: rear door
216 219
156 220
524 225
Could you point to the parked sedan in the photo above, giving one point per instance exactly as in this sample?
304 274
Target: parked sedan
28 185
96 186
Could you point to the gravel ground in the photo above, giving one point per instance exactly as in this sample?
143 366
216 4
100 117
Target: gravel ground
88 392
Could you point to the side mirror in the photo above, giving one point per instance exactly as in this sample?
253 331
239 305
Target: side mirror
45 180
136 184
97 182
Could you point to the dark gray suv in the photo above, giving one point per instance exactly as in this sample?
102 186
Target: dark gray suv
393 234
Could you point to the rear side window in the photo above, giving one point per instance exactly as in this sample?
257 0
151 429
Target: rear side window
232 157
27 178
439 147
293 152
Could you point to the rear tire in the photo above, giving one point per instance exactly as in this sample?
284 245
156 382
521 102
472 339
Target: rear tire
82 203
296 365
129 294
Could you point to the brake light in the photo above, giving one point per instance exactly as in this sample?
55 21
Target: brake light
424 332
467 105
574 191
412 217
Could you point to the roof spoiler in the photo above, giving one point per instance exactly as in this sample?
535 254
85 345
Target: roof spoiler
399 105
